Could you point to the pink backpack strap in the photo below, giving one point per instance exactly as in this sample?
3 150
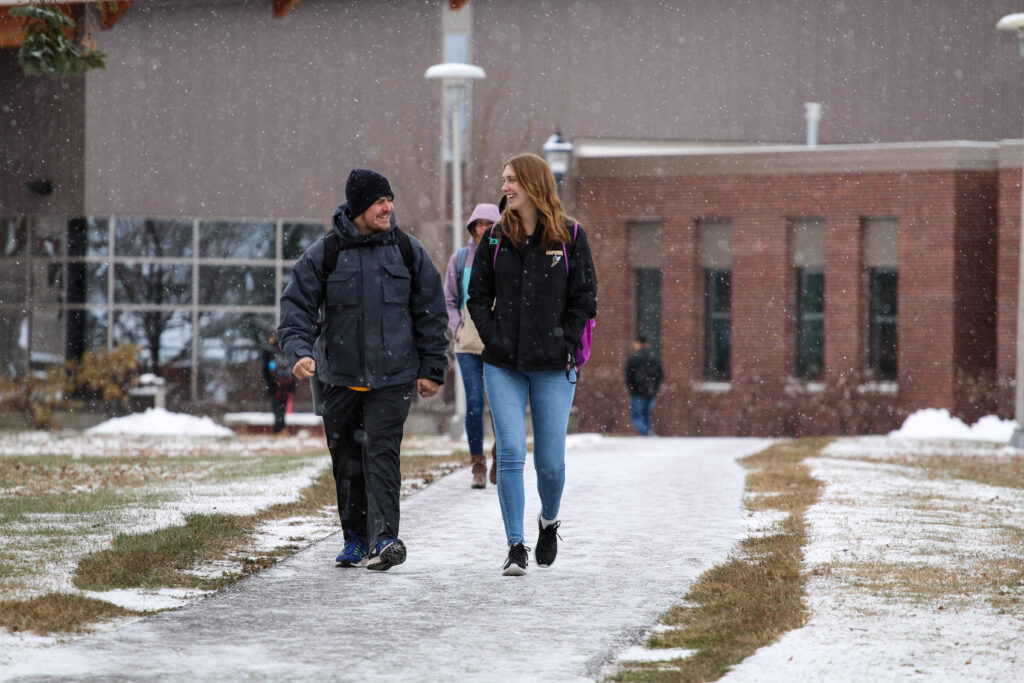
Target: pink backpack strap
497 246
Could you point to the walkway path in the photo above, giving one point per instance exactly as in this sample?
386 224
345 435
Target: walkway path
642 518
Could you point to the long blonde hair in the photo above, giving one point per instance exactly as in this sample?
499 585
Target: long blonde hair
535 178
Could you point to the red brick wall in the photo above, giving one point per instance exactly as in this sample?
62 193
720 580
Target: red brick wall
946 223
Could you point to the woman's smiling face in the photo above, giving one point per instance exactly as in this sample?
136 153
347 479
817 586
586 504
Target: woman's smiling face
514 193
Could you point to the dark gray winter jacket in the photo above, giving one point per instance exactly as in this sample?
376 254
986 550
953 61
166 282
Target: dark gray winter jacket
384 324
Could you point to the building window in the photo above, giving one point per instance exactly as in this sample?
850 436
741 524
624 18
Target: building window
195 295
714 254
882 319
645 259
881 259
807 245
810 323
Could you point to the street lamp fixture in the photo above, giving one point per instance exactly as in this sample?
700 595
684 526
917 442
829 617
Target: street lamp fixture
456 78
558 153
1015 22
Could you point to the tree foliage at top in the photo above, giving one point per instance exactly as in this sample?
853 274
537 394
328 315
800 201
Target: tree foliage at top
46 49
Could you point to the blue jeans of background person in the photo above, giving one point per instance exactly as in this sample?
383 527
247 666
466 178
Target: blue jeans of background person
640 410
471 368
550 395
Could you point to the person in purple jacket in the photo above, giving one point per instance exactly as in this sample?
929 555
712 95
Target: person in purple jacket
468 346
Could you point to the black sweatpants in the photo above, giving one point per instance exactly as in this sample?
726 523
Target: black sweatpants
364 435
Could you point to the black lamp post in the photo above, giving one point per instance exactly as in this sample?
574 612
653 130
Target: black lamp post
558 153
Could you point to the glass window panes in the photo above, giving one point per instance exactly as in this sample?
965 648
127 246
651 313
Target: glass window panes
153 237
717 324
14 325
230 348
47 338
237 285
96 282
14 233
13 287
47 282
883 286
810 330
48 234
152 283
163 337
94 330
237 239
648 305
297 237
97 241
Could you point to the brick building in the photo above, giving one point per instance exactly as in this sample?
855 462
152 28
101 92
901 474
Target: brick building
798 290
162 201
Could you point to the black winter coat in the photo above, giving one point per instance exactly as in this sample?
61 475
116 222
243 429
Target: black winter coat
384 326
529 313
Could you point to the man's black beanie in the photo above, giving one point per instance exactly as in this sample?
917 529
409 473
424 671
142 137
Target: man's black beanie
363 188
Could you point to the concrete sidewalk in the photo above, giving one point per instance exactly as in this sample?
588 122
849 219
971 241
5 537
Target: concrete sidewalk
642 518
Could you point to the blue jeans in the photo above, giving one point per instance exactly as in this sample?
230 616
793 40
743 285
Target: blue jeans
550 395
471 367
640 410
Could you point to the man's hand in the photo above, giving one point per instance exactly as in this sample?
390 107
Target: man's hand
304 368
426 387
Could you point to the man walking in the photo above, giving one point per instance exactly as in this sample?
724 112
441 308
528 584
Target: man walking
380 306
643 379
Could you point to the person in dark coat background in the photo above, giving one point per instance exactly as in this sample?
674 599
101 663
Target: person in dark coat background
643 379
382 337
278 378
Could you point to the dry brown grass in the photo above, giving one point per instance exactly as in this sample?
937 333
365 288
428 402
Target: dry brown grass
168 557
57 613
748 602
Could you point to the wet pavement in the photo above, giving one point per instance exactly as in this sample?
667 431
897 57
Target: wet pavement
641 519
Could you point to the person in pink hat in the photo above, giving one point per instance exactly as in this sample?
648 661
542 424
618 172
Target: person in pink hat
468 346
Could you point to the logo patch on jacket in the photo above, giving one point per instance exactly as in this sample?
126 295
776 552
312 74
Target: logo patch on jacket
556 256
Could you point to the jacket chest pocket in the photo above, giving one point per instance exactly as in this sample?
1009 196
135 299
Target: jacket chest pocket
396 285
343 288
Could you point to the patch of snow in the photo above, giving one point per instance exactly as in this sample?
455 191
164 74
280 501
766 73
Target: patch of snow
160 421
937 423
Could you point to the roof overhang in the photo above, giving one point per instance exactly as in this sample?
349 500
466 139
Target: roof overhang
599 158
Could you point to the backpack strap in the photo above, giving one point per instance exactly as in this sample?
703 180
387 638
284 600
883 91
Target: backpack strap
460 265
497 245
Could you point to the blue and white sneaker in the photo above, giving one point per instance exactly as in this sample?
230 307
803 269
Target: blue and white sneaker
386 555
354 554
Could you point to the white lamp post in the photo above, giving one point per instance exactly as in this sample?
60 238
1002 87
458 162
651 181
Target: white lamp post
1015 22
558 153
456 77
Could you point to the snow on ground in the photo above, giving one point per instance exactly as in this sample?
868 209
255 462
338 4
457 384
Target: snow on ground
875 516
158 421
878 528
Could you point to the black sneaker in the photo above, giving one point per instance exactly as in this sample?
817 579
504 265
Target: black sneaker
518 558
386 555
547 544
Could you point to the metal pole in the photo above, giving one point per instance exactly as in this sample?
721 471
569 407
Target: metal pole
1017 440
458 94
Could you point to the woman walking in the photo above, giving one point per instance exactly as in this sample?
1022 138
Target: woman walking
468 345
531 293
